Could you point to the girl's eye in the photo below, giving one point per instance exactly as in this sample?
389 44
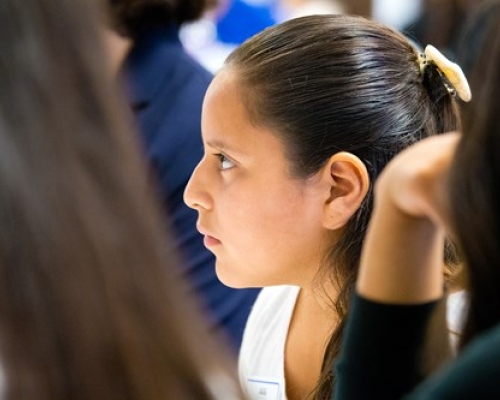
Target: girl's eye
225 163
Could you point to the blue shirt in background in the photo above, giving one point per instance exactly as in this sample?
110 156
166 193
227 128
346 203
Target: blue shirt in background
166 90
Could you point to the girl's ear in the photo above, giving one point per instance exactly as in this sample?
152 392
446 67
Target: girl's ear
348 182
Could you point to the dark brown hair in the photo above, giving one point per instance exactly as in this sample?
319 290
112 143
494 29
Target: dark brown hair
129 17
326 84
90 304
474 190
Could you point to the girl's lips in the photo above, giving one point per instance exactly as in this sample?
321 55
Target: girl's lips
210 241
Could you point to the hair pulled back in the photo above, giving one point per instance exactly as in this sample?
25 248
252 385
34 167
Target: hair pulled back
331 83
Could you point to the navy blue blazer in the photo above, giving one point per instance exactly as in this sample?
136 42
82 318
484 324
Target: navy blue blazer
166 89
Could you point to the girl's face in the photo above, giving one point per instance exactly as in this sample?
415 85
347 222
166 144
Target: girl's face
264 227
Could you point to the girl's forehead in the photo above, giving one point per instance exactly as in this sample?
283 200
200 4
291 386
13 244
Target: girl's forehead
226 82
227 125
224 105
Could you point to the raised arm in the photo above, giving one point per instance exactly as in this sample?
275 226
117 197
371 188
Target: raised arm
401 275
402 256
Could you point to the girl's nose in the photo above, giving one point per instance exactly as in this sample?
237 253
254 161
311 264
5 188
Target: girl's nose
196 195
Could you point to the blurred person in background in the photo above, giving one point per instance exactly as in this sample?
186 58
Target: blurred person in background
445 184
166 89
211 39
442 23
89 304
475 32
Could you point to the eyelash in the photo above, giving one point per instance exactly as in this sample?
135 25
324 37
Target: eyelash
223 158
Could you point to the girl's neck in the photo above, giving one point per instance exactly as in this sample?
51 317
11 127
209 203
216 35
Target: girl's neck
313 321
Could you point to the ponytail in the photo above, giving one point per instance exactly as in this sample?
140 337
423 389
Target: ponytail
446 112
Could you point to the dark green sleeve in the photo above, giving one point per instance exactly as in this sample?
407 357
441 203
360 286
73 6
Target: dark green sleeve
380 357
475 374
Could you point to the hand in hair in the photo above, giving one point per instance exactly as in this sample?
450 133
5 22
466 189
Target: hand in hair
415 181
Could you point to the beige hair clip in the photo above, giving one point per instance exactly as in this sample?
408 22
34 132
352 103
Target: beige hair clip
452 72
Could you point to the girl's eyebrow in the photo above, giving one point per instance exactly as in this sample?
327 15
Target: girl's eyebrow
220 145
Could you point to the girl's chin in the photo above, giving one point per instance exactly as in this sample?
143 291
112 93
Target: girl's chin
229 280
